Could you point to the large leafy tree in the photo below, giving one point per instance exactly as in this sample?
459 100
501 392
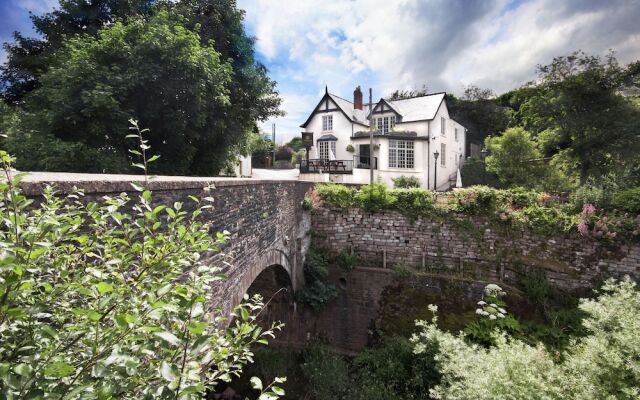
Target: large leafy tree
29 58
514 158
252 94
195 83
156 70
576 107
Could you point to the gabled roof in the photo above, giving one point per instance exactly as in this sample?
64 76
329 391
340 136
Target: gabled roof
346 107
418 108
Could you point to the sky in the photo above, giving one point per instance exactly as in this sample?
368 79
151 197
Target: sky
404 44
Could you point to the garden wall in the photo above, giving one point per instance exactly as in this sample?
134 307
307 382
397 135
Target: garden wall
471 247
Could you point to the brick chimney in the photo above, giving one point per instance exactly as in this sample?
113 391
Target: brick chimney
357 98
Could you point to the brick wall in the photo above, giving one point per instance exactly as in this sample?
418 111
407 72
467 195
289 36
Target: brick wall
471 247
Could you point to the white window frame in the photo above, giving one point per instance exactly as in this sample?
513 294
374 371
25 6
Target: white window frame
401 154
385 124
443 125
323 148
379 123
443 154
327 123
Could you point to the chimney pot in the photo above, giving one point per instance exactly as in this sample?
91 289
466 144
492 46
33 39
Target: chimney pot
357 98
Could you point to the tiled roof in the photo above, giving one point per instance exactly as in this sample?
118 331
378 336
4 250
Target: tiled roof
418 108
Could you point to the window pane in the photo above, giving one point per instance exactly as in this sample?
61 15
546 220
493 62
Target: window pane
443 154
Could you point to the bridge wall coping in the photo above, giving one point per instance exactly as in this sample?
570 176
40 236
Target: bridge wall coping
34 182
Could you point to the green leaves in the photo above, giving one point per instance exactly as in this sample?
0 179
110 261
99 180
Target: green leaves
58 370
102 303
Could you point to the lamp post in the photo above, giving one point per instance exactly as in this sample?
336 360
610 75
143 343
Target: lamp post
435 170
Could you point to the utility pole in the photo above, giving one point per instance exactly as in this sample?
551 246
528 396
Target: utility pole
371 158
273 131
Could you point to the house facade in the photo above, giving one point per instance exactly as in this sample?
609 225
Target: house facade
407 134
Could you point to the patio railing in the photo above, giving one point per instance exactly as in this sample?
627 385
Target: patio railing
337 166
329 166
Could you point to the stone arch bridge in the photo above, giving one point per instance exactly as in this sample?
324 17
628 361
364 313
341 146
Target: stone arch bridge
269 230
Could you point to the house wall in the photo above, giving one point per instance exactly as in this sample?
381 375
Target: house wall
453 148
342 128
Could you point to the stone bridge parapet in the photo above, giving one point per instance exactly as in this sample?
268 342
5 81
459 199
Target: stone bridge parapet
265 219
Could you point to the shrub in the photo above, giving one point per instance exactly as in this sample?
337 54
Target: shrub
326 372
375 197
404 271
597 366
336 195
475 199
346 260
414 202
393 372
100 303
350 148
521 197
317 291
627 200
547 220
297 157
284 153
405 182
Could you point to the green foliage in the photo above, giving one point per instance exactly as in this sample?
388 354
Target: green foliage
627 200
336 195
393 372
350 148
493 318
598 192
326 372
576 108
514 158
346 260
548 220
405 182
474 172
375 197
189 73
317 291
112 299
475 199
596 366
307 204
414 202
29 58
404 271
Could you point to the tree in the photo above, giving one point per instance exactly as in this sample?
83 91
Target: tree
209 129
29 58
408 94
576 107
252 94
479 112
600 365
514 158
111 299
76 120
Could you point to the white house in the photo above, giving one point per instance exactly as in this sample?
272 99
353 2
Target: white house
407 133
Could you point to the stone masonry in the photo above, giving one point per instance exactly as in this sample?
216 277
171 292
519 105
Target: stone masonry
470 247
265 220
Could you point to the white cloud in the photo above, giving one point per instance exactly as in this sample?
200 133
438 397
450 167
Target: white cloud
403 44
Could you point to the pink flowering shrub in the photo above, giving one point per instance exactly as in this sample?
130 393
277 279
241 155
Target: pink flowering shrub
594 226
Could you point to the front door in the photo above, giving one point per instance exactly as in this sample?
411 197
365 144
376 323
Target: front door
364 152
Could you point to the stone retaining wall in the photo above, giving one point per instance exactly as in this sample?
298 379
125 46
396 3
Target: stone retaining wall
470 247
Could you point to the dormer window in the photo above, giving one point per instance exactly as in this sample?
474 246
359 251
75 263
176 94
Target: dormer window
385 124
327 123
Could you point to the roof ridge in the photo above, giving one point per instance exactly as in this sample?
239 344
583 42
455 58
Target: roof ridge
416 97
342 98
